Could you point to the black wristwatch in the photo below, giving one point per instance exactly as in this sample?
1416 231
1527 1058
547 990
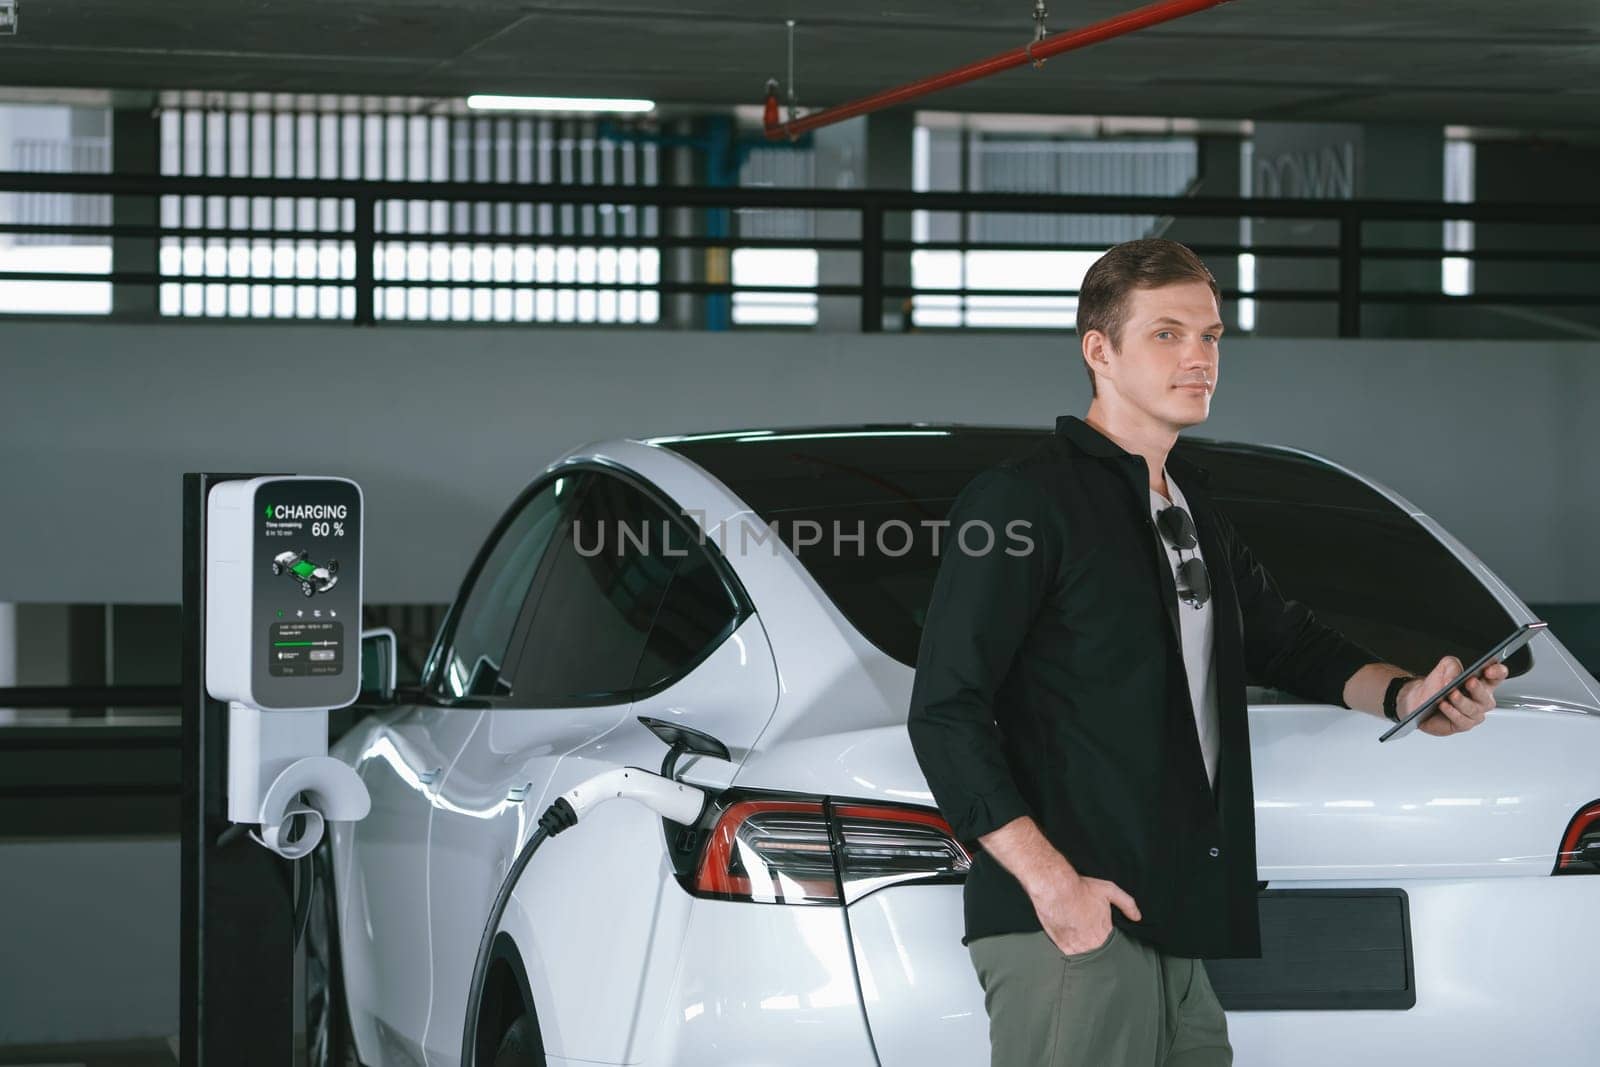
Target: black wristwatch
1392 694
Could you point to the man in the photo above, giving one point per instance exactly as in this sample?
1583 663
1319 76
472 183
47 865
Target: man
1079 707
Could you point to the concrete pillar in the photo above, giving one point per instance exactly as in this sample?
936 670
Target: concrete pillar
135 149
39 653
8 657
1537 172
870 152
687 160
1345 161
840 152
679 167
1221 174
1402 163
87 651
143 644
891 165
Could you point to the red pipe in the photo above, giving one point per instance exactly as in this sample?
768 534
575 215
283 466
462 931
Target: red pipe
1116 26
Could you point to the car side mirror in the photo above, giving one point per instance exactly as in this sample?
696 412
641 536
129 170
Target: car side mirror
380 665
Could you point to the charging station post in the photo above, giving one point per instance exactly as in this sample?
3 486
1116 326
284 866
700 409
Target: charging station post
271 621
236 963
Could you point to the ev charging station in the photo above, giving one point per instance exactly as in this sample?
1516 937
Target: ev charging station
272 577
271 624
283 646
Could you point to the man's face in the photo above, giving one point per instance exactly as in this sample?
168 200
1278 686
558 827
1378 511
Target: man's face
1166 365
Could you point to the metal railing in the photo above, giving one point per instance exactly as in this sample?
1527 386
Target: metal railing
1347 246
90 777
76 697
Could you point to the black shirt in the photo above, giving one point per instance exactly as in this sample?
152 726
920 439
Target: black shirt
1050 682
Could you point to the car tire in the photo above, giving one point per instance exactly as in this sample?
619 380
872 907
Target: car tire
521 1046
329 1042
277 568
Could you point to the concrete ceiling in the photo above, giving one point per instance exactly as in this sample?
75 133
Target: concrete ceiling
1529 64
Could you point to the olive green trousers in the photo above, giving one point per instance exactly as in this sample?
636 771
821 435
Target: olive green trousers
1123 1004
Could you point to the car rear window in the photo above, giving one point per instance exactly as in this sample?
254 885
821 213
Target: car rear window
1327 539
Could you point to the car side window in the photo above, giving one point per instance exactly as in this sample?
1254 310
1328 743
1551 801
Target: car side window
598 601
474 663
697 612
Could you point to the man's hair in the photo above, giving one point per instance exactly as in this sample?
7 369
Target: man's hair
1148 263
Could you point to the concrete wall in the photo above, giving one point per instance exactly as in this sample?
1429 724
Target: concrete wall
91 940
443 425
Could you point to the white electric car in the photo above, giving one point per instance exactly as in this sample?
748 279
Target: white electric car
1427 900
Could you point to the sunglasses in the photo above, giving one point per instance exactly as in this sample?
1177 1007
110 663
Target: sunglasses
1194 581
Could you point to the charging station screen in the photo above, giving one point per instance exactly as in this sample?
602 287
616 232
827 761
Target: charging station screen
307 593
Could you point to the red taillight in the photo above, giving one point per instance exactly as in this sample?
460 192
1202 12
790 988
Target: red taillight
775 851
781 851
1580 845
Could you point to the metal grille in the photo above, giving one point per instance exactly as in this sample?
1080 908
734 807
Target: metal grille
1056 249
81 154
778 168
785 167
451 242
1096 168
54 139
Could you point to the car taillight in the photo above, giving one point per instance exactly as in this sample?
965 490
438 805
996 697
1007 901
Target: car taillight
774 851
817 851
1580 845
881 845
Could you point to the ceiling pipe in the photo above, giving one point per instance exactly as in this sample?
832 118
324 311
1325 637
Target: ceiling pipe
1033 52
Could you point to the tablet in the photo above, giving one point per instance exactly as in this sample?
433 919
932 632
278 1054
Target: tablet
1518 637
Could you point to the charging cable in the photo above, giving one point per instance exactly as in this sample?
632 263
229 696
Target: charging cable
300 885
667 798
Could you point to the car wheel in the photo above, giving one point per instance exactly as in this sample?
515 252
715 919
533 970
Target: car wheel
305 587
521 1046
328 1039
277 568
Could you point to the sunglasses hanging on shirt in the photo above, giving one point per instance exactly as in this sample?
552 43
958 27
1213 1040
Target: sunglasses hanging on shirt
1194 581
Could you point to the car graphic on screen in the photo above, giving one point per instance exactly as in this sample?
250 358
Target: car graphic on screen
312 578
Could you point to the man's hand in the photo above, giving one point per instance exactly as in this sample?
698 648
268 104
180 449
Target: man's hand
1076 912
1463 708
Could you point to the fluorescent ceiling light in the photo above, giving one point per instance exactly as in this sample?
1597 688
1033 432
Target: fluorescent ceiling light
481 102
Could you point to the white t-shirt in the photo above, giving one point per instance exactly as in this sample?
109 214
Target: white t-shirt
1196 626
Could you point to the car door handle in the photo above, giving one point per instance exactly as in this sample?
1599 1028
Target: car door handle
427 778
